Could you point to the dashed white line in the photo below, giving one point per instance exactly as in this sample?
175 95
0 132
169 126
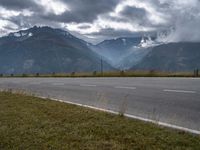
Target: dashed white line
58 84
179 91
125 87
87 85
35 83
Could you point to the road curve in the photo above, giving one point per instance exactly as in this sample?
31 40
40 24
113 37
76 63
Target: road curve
173 101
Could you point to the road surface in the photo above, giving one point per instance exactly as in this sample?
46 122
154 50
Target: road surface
173 101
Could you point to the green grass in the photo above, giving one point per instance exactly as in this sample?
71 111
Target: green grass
32 123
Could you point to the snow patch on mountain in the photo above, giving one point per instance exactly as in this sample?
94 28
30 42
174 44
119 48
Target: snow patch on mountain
146 42
17 35
161 38
124 41
30 34
21 34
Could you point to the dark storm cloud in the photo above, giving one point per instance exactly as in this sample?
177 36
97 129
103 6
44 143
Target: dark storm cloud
83 11
80 11
17 4
134 13
138 15
100 18
90 8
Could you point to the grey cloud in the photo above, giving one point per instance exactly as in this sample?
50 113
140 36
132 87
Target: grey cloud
84 26
185 19
80 11
91 8
137 15
17 4
83 11
134 13
109 33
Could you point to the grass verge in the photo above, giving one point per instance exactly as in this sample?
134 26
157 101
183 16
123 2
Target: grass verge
32 123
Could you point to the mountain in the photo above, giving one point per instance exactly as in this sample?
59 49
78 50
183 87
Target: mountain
132 58
118 46
46 50
183 56
121 52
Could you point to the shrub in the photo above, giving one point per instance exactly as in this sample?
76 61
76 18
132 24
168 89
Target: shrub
73 74
37 74
94 73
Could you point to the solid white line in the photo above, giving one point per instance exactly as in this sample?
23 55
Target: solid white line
130 116
125 87
87 85
179 91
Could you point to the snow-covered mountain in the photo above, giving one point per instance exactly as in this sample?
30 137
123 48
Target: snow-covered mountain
124 52
46 50
182 56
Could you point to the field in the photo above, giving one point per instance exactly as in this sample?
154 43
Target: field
151 73
32 123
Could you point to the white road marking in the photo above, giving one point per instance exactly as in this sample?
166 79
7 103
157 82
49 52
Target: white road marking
87 85
130 116
35 83
179 91
125 87
58 84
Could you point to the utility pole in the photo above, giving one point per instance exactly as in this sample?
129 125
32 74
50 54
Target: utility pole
101 66
196 72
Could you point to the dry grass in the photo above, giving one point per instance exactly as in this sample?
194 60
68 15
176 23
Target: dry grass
150 73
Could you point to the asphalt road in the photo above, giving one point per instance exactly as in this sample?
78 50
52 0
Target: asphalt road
171 100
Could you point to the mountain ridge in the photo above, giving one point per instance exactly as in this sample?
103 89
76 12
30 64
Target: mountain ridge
46 50
182 56
117 50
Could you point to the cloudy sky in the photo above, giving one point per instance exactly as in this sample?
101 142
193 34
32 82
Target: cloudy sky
104 19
